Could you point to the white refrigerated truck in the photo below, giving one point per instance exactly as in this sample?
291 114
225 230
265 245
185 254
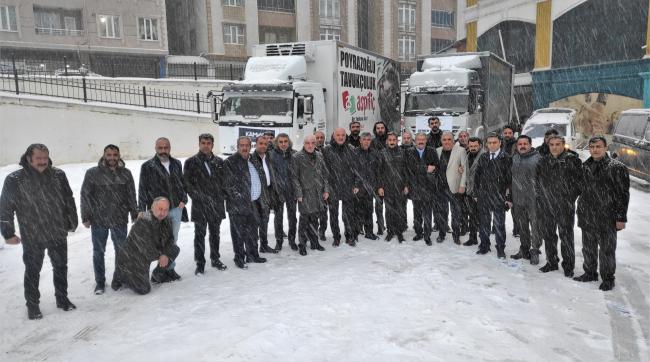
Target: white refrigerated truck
298 88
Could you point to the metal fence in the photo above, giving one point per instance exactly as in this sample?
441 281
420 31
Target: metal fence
97 90
205 71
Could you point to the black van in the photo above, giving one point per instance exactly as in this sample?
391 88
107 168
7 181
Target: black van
631 142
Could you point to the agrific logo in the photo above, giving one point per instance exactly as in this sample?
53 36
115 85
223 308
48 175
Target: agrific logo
360 103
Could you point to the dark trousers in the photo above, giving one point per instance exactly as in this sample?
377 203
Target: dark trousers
422 215
33 255
362 207
307 229
446 201
243 231
200 228
529 234
347 218
278 221
464 212
322 221
395 213
486 211
473 219
136 274
551 222
263 224
605 239
99 236
379 213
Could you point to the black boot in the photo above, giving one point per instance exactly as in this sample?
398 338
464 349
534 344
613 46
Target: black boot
380 229
517 256
400 238
389 236
303 249
240 264
292 245
548 268
371 236
470 242
100 289
534 257
585 278
456 240
483 250
278 245
317 246
440 239
65 304
219 265
255 259
321 237
606 285
200 269
336 243
265 248
116 284
427 240
34 312
351 242
568 273
417 237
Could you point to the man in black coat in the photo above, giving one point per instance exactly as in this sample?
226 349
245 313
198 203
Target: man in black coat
244 202
264 163
557 186
379 143
355 130
204 176
492 184
149 240
474 151
543 149
322 216
365 189
434 139
40 197
107 199
393 187
162 175
423 171
602 211
340 158
282 157
311 188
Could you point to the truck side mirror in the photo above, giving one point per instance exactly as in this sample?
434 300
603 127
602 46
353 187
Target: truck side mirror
309 105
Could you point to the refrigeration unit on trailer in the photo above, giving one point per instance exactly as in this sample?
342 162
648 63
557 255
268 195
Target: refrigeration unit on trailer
467 91
299 88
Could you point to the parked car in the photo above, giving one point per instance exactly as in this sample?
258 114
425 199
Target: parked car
631 142
560 119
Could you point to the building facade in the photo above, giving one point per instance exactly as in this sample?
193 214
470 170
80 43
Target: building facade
93 32
225 30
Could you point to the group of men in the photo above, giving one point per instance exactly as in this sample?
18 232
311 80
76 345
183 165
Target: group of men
354 175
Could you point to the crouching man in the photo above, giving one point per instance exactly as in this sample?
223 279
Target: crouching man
150 239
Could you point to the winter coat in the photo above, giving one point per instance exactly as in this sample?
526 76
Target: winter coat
42 202
393 171
509 146
148 239
379 142
269 197
354 141
155 181
434 139
341 165
367 168
238 186
283 174
557 184
107 196
310 181
471 167
424 184
605 193
454 179
205 188
523 178
493 178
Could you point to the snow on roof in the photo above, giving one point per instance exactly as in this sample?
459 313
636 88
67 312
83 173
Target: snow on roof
186 59
436 77
471 61
282 68
560 116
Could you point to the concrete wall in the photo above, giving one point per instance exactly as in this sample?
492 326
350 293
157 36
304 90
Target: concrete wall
77 132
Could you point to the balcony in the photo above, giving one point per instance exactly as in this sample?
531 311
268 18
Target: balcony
58 32
406 27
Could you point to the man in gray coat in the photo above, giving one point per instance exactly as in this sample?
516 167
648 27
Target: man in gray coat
311 189
524 164
453 161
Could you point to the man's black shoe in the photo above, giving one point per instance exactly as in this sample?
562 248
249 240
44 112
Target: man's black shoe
585 278
548 268
65 304
200 269
417 237
240 264
303 250
34 312
100 289
371 236
606 285
219 265
255 259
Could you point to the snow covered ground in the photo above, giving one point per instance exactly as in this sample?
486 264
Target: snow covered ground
376 302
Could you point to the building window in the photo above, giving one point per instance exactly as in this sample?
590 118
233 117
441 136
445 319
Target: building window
442 18
284 6
406 16
330 33
406 47
439 44
57 21
148 29
233 2
109 26
330 9
8 18
276 35
234 34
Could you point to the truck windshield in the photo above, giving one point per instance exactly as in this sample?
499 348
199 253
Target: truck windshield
537 130
257 106
424 101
